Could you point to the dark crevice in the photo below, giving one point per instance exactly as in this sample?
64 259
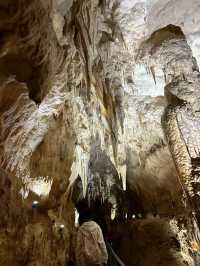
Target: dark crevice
21 68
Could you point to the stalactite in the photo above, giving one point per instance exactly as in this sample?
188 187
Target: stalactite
152 70
165 76
113 213
80 168
122 173
181 156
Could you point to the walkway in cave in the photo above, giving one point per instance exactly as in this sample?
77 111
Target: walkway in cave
138 240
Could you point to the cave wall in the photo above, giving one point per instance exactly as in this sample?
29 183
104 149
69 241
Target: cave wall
56 100
152 241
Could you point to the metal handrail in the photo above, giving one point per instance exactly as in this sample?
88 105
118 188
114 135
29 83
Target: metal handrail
120 262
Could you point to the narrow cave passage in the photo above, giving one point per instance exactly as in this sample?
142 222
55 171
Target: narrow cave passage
133 235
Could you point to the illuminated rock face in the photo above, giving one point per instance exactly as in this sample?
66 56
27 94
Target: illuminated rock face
83 87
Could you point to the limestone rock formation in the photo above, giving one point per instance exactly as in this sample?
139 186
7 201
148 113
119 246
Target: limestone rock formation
99 99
